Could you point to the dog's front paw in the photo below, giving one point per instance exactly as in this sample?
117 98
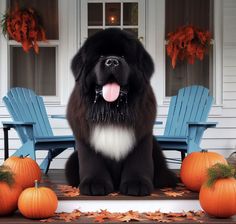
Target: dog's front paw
94 187
138 187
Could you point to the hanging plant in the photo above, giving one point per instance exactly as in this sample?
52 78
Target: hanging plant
24 26
187 43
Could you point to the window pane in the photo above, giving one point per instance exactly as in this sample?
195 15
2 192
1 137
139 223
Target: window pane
48 12
180 13
134 31
34 71
186 74
130 14
95 14
112 14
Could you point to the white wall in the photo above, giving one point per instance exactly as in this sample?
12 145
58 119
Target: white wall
221 139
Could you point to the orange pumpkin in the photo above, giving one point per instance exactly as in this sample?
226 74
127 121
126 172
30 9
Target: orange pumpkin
219 197
193 172
9 192
37 202
26 170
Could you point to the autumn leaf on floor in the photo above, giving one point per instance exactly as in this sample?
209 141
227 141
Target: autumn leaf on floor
103 215
68 191
68 217
174 194
166 189
113 194
155 216
131 216
47 220
155 195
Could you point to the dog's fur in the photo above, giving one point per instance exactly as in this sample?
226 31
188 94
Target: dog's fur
116 148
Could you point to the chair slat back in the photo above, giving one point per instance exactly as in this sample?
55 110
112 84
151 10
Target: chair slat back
24 105
191 104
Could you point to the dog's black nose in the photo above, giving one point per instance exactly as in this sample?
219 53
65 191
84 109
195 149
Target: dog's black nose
112 62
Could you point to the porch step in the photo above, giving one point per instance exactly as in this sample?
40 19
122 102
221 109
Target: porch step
168 200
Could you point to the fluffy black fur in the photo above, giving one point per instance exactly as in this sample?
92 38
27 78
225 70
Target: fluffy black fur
144 167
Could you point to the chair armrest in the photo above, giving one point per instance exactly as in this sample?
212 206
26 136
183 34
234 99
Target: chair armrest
27 126
203 124
158 122
58 116
12 124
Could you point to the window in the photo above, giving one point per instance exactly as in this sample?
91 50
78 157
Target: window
179 13
29 70
125 15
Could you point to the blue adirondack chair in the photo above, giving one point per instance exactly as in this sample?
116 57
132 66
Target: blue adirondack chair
31 122
186 121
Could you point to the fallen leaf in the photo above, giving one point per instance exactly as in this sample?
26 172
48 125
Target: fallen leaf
47 220
155 195
166 189
131 216
154 215
113 194
174 194
68 191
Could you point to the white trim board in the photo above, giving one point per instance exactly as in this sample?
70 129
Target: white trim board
126 205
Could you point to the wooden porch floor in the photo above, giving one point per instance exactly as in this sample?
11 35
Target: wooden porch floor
56 180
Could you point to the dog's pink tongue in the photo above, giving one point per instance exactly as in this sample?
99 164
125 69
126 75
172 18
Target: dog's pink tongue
111 92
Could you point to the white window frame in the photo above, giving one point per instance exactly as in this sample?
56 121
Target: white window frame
159 55
141 18
66 47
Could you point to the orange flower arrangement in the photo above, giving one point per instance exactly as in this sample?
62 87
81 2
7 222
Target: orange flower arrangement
23 25
188 42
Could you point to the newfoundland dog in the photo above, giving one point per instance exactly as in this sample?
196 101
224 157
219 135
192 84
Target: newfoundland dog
111 111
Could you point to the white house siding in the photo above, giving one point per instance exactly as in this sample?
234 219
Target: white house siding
221 139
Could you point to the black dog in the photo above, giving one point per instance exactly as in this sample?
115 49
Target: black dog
111 111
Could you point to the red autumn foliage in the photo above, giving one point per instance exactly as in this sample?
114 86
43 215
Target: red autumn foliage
23 25
187 43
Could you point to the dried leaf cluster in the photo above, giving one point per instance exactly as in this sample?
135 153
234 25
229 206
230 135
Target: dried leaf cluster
179 191
68 191
106 216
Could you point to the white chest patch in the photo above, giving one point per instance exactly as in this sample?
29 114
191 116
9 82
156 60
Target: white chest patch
112 141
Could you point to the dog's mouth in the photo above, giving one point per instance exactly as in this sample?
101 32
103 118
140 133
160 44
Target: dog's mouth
110 92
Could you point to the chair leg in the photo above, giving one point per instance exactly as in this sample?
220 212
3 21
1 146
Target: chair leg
27 149
182 155
52 153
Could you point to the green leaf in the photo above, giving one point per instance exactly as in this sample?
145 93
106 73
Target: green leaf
219 171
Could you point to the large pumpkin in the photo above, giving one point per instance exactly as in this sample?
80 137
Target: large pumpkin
37 202
219 198
26 170
9 192
193 172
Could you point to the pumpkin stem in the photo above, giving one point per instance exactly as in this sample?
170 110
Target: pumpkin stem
219 171
203 150
21 156
6 175
36 184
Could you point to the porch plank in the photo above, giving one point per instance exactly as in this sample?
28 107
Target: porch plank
55 178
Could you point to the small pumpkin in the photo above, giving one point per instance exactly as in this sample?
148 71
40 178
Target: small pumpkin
37 202
9 191
193 172
217 195
26 170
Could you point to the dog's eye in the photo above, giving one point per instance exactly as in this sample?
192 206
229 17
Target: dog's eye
101 56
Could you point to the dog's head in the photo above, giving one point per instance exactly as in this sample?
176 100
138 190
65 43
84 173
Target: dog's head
110 66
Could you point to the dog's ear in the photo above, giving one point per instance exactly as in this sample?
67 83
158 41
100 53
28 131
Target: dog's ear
77 64
145 62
